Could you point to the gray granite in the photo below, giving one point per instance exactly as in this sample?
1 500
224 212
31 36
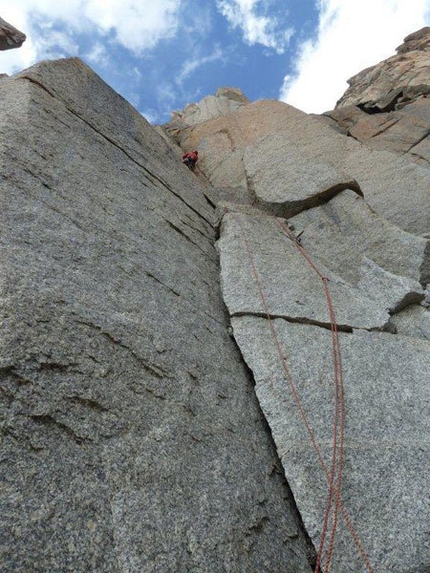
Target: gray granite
346 229
413 321
284 180
392 292
386 470
128 445
291 287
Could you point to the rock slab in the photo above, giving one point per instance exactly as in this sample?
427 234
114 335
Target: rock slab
386 468
394 187
127 444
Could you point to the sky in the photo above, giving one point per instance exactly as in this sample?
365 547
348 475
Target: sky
164 54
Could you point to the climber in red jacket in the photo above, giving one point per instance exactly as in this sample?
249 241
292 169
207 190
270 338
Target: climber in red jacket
190 159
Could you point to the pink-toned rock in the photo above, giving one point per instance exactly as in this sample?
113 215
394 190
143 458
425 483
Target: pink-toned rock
393 186
226 100
404 131
399 79
387 105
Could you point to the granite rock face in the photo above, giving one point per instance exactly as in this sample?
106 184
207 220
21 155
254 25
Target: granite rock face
222 144
127 444
397 80
226 100
345 230
413 321
361 216
133 439
291 288
387 106
387 437
273 286
284 181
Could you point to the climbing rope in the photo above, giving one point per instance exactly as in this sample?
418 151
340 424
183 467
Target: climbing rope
334 475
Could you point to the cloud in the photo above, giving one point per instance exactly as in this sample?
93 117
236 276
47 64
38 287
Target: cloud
137 26
191 65
351 36
98 54
269 31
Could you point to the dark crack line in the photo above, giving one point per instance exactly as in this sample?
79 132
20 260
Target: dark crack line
185 299
48 420
37 83
154 371
88 403
118 146
157 280
419 141
386 128
294 320
178 230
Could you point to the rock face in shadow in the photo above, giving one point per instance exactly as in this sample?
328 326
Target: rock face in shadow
10 37
132 438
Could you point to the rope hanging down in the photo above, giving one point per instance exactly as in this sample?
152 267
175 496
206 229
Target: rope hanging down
335 473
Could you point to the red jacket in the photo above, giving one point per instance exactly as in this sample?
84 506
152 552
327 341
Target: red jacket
191 155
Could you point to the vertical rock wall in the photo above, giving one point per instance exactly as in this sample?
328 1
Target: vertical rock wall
131 440
321 234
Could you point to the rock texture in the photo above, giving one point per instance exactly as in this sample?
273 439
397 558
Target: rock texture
387 105
345 230
283 180
387 445
127 444
222 144
291 288
309 208
226 100
281 321
10 37
395 81
132 435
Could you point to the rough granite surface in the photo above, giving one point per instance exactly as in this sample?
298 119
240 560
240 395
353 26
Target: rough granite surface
387 447
283 180
413 321
386 469
132 439
387 106
292 289
127 444
394 187
345 229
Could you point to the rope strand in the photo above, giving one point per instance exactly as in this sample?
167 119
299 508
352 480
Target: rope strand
334 476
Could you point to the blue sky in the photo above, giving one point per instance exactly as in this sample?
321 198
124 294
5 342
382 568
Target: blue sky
165 54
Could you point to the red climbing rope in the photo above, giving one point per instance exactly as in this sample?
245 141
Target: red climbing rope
334 475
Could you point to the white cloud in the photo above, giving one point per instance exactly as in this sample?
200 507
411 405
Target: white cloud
352 36
97 54
191 65
266 30
136 25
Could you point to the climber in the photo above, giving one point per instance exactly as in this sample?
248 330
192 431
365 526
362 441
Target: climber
190 159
